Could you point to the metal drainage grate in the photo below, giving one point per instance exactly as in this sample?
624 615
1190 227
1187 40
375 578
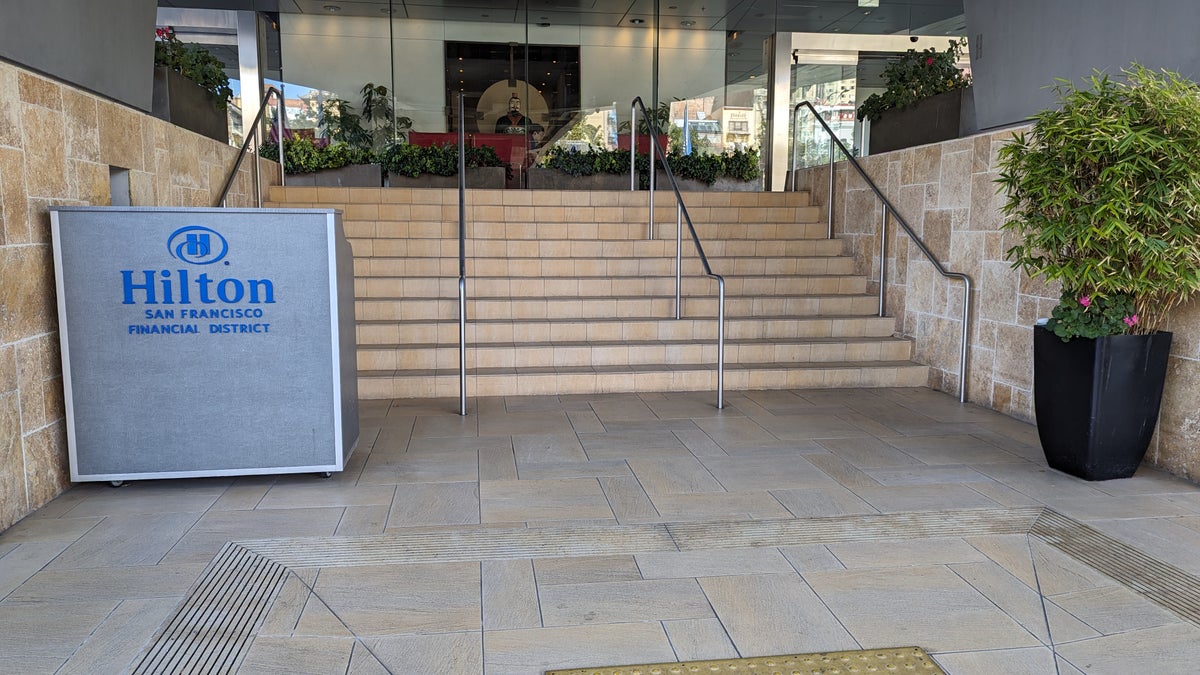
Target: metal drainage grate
212 629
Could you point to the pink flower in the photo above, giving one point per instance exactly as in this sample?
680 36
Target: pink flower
1130 321
1086 301
929 61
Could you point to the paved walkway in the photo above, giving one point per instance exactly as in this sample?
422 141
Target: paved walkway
553 532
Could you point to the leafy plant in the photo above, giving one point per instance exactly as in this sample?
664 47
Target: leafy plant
915 76
736 164
301 155
1103 195
342 124
379 118
441 160
193 62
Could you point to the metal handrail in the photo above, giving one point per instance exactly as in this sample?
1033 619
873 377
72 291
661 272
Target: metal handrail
462 261
681 215
888 207
250 136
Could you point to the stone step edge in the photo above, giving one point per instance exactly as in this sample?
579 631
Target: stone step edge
641 368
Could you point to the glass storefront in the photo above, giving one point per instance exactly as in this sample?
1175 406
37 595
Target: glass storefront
533 77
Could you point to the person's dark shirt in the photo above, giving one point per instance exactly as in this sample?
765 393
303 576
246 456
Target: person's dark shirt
506 124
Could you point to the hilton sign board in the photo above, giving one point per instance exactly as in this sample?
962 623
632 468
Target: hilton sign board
205 342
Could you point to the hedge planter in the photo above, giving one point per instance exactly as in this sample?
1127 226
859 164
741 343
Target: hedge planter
483 177
930 120
184 103
541 178
722 184
1097 400
353 175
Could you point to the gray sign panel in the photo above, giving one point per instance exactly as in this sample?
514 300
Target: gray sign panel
200 342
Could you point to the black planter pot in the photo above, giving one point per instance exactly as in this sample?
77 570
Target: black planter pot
1097 400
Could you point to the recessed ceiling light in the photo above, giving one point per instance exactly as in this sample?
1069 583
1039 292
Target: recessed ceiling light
688 23
637 22
386 10
332 8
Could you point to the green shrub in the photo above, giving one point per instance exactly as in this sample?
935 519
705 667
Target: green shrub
301 155
404 159
1103 196
737 164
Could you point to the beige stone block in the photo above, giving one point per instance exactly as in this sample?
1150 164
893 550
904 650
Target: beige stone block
935 232
37 369
998 288
27 293
90 183
10 105
14 206
1178 448
46 466
1014 355
141 188
121 141
8 369
39 91
83 126
927 161
956 180
45 158
12 464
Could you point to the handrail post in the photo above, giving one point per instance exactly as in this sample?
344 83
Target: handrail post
279 125
678 260
962 349
795 143
720 342
462 262
633 146
882 255
653 153
830 215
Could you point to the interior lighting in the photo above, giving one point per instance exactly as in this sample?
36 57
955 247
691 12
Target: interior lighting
687 23
637 22
332 8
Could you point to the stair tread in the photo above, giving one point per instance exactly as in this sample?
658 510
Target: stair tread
631 343
645 368
610 297
765 317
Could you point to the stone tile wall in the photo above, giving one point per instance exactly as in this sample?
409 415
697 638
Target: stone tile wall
947 194
56 146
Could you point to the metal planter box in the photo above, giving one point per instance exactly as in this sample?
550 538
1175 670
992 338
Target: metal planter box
205 342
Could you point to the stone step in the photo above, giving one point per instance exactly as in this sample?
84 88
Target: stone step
528 268
632 229
322 197
607 306
631 353
443 382
593 248
396 288
445 331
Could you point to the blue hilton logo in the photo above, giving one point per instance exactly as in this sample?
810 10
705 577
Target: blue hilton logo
197 245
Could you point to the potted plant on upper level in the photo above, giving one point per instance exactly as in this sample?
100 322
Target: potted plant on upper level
1103 198
191 88
923 100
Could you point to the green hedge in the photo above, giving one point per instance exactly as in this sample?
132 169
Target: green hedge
739 165
301 155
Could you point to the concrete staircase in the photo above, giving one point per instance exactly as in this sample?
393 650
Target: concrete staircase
566 294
